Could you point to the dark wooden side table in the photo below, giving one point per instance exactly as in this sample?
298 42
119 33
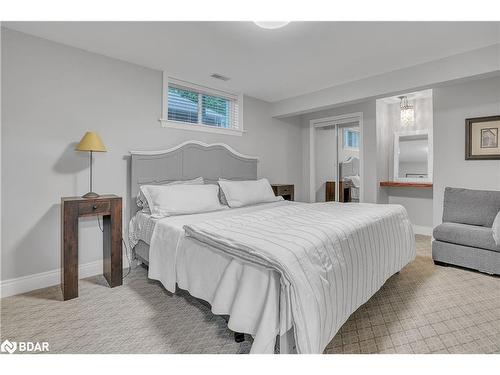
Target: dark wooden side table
344 195
72 208
285 190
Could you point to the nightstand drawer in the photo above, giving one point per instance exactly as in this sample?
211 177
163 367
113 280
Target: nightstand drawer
283 190
94 207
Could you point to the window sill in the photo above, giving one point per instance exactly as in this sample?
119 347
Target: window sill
200 128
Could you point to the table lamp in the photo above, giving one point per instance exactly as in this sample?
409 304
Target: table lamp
91 142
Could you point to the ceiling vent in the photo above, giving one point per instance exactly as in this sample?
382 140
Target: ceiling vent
219 76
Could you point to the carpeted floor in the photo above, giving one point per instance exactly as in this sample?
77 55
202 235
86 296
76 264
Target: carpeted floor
424 309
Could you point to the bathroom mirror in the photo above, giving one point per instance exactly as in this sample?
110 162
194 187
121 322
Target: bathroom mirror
413 156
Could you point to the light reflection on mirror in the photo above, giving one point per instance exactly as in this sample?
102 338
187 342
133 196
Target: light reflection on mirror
413 156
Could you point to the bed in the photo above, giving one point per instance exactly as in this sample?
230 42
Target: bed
298 304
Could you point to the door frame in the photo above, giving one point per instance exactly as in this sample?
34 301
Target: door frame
328 121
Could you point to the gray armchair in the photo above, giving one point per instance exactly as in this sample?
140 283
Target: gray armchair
465 238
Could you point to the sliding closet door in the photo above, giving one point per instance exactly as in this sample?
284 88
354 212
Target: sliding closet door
348 143
325 160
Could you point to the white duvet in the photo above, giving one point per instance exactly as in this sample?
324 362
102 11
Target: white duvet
249 294
331 257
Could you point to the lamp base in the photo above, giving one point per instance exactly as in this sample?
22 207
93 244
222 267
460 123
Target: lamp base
90 194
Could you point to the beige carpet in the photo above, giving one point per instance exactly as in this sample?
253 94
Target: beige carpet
424 309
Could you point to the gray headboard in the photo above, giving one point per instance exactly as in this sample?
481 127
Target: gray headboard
349 167
187 161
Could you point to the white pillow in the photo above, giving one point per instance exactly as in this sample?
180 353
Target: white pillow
244 193
143 203
496 229
181 199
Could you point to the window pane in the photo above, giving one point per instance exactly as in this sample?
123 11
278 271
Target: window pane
351 138
182 105
215 111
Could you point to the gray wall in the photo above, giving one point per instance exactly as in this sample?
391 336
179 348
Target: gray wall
326 149
51 95
423 121
452 105
369 144
418 202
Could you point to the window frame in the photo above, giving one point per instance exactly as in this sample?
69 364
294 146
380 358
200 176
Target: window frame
166 123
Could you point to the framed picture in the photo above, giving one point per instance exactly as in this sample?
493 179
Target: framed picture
481 138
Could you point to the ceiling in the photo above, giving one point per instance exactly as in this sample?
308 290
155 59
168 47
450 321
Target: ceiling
272 65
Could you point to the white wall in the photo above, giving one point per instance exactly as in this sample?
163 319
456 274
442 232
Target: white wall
423 121
482 61
418 202
384 139
369 144
452 105
51 95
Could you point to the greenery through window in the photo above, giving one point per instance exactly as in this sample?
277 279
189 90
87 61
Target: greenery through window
215 111
182 105
193 107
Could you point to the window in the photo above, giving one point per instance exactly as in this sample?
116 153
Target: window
182 105
351 139
193 107
215 111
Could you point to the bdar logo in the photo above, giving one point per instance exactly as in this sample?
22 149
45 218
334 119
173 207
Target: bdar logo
8 346
24 346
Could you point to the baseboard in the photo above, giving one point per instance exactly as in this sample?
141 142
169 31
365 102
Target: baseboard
426 231
28 283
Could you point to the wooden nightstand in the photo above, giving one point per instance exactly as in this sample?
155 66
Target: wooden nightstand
285 190
110 208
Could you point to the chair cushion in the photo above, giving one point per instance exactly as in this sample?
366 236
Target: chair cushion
496 229
466 235
474 207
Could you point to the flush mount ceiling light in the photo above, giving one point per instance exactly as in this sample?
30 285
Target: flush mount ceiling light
407 112
271 24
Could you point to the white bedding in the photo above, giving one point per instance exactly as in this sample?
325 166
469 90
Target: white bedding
249 294
181 199
247 193
331 257
141 227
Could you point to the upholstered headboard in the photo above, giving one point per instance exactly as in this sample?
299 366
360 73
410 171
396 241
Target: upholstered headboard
187 161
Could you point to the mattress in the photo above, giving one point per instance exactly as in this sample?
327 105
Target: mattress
332 257
253 295
249 294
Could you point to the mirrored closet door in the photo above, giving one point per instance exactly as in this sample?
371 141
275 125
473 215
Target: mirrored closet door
348 143
335 162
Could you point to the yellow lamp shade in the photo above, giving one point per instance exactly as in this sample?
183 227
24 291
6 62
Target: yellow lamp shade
91 142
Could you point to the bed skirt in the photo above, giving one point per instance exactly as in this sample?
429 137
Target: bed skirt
141 252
